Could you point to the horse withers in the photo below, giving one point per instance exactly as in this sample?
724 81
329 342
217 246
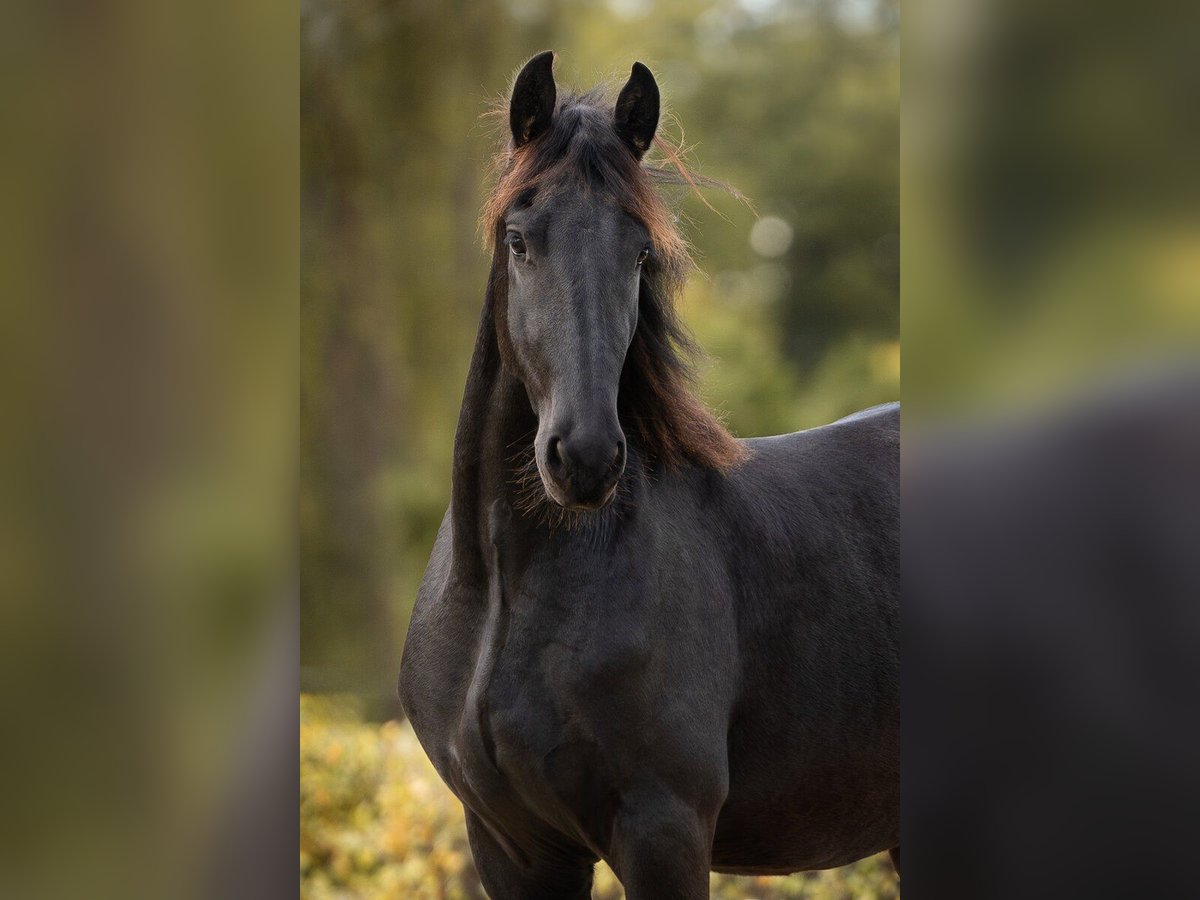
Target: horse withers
638 638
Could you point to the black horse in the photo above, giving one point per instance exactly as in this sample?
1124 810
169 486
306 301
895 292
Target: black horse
638 638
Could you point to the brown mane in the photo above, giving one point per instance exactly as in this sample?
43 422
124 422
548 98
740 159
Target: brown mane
657 406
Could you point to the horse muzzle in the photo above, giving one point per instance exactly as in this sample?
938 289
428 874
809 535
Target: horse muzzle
580 470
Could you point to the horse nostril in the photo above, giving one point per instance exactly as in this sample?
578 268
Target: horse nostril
555 455
619 456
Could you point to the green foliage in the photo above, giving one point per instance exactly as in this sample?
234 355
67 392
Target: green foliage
377 823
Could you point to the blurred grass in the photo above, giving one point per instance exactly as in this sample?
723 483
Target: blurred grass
377 822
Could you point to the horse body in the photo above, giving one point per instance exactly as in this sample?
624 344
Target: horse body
700 672
720 644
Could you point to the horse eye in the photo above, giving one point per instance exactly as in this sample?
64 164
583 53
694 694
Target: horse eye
643 256
516 243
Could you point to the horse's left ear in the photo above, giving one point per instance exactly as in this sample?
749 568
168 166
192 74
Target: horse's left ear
636 114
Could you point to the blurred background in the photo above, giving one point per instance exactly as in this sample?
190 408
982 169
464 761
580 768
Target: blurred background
795 298
1051 488
1051 199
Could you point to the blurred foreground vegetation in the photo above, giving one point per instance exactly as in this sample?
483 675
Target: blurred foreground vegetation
377 822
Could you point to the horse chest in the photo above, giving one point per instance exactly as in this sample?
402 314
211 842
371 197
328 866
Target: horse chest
539 720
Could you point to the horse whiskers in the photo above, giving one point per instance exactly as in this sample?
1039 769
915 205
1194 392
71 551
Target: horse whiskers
524 444
530 497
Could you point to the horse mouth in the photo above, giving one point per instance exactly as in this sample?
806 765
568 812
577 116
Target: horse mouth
591 507
558 497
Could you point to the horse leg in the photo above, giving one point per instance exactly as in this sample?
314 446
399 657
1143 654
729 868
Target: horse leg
566 878
661 850
894 853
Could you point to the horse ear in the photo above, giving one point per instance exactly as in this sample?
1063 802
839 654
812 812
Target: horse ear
636 114
531 106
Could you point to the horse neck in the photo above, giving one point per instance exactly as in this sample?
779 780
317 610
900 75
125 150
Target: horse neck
495 416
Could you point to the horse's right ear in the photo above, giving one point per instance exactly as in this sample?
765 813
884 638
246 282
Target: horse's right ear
532 104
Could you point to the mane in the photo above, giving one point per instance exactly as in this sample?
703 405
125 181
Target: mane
656 402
